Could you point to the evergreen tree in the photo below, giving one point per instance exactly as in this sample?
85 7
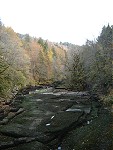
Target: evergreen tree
46 46
98 61
105 41
75 76
41 42
105 38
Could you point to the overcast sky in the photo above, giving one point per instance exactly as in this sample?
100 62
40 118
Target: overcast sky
58 20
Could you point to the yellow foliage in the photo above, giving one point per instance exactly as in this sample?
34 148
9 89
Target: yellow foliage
50 55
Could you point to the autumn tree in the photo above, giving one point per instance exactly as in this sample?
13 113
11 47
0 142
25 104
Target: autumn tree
13 61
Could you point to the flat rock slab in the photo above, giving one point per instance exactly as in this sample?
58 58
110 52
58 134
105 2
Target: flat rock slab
97 135
45 118
29 146
60 121
79 108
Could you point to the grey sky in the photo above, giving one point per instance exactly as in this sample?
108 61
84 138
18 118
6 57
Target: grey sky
58 20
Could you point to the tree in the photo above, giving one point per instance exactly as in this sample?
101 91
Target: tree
41 69
45 46
75 76
99 73
105 41
41 42
97 58
27 38
105 38
13 62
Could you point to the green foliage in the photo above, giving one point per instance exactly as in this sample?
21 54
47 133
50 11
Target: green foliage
10 79
27 38
41 42
99 73
75 76
105 38
97 57
45 46
4 87
108 99
12 62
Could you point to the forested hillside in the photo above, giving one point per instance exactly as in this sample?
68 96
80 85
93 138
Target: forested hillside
26 60
91 66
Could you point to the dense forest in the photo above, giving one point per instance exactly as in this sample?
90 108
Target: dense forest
26 60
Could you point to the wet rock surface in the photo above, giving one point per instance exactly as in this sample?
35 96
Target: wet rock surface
45 118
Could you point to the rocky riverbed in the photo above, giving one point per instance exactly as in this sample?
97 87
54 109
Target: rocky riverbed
44 118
